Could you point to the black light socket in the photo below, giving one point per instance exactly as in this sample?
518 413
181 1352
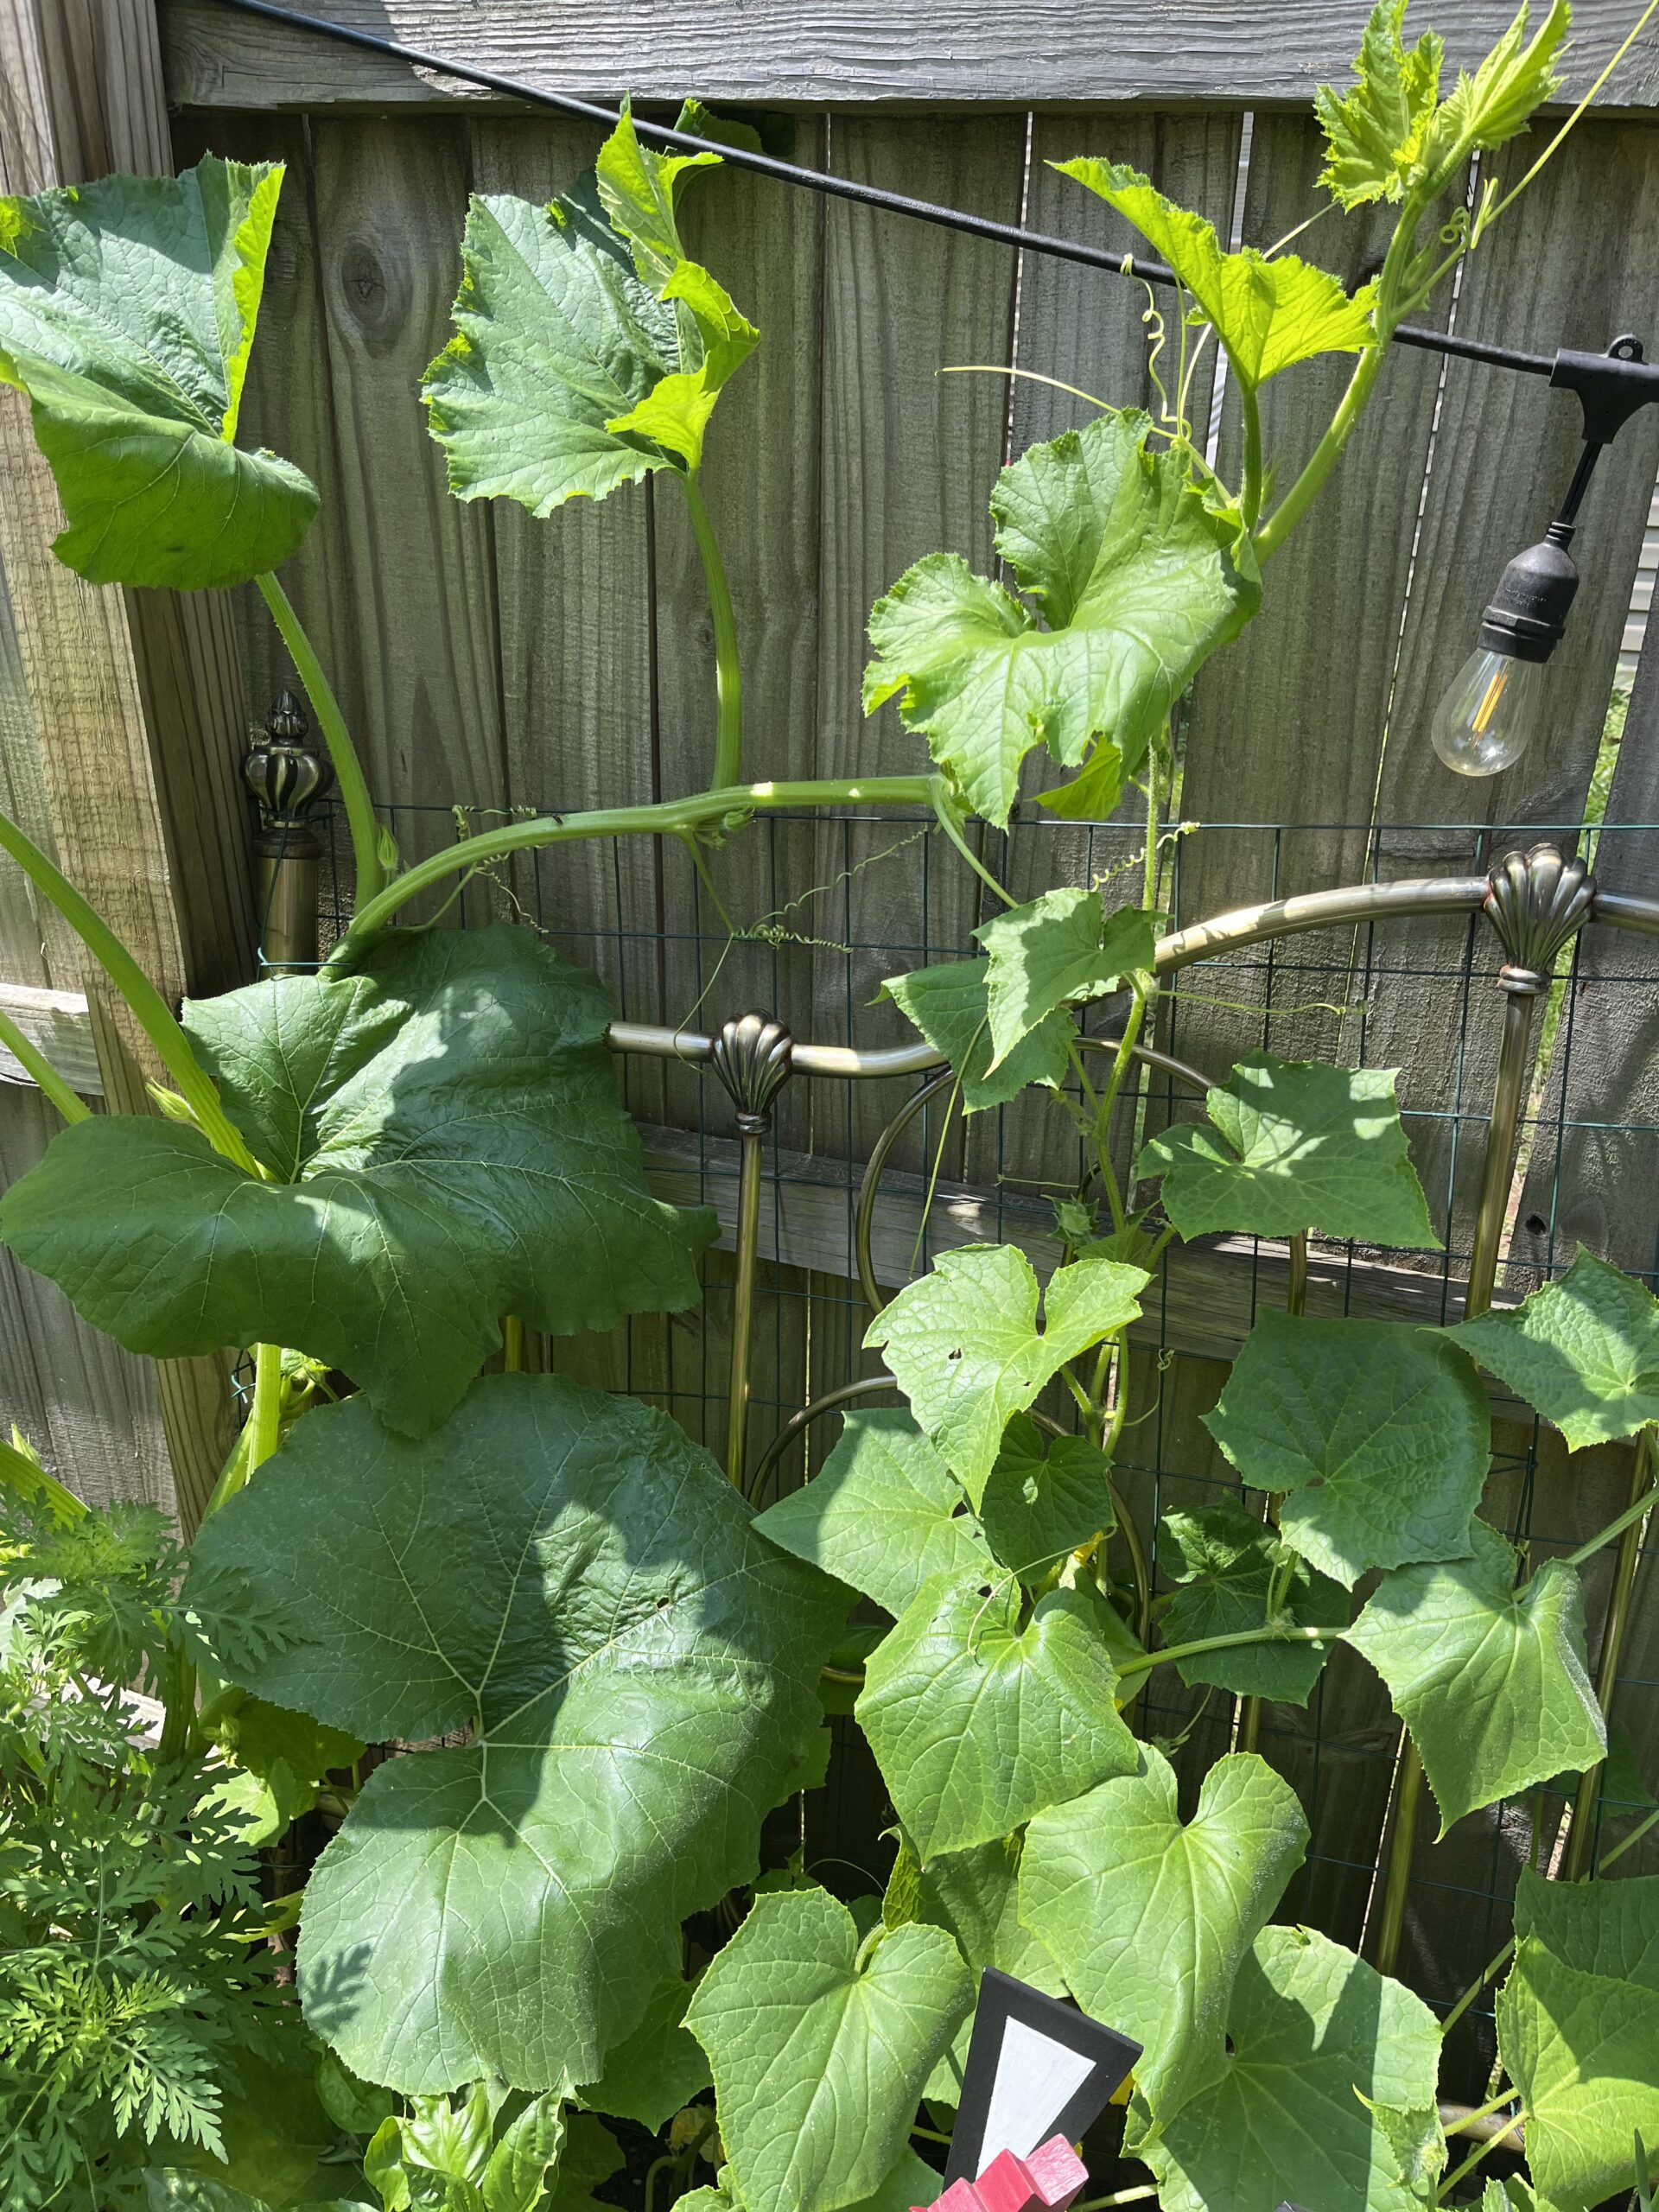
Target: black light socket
1527 617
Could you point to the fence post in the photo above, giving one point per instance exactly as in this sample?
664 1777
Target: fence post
134 698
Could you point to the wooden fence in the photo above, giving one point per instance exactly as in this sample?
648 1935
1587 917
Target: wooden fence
487 662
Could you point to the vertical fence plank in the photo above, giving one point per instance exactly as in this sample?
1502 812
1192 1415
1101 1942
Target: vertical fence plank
1555 272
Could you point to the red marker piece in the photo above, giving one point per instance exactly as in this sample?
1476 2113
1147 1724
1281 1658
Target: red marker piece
1046 2180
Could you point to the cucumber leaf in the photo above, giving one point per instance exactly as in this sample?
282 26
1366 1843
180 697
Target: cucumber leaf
1061 948
1150 1921
1585 1351
650 2073
567 1580
1224 1561
1578 2025
1044 1497
964 1345
1491 1679
1379 1436
977 1721
884 1514
819 2056
127 314
950 1006
975 1896
446 1128
590 351
1326 2094
1268 312
1293 1145
1375 133
1137 578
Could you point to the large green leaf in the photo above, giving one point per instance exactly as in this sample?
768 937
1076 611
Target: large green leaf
127 313
1268 312
978 1722
1293 1145
1138 582
964 1345
1378 1434
950 1006
448 1146
1318 2039
1224 1560
1044 1497
976 1895
1585 1351
1150 1921
650 2073
1578 2023
1061 948
884 1513
568 1581
819 2055
1491 1679
589 350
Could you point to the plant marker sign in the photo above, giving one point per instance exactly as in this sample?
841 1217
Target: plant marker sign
1039 2071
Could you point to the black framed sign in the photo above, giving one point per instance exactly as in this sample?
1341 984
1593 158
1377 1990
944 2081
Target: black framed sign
1036 2067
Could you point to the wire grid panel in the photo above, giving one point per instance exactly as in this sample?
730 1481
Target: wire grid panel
996 1179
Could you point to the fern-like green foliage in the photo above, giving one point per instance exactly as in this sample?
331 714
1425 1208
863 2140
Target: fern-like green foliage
133 1979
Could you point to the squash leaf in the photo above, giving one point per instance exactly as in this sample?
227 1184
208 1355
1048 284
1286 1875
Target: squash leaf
1327 2091
1061 948
590 351
1376 1434
819 2056
1293 1145
1150 1920
1269 314
634 1669
1138 581
977 1721
1491 1679
127 314
964 1345
449 1147
1585 1351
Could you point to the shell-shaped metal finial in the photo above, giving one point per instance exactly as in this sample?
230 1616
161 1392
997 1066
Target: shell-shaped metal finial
284 773
1538 902
753 1057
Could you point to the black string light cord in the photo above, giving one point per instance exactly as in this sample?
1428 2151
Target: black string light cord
840 187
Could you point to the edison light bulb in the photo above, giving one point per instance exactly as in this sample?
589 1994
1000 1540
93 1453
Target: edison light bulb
1490 713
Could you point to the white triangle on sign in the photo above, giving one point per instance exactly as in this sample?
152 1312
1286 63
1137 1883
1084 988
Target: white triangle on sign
1036 2078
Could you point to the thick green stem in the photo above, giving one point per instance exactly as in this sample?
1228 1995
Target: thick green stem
674 817
1633 1512
1324 455
1251 487
1274 1632
728 678
348 769
265 1422
512 1344
41 1071
149 1009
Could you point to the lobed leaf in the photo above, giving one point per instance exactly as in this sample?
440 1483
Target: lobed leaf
1045 1496
975 1896
1150 1921
1224 1561
1376 1435
978 1720
1138 581
449 1146
884 1514
950 1006
1578 2025
1328 2089
819 2055
127 314
1585 1351
1294 1145
1061 948
1268 312
657 2068
1375 134
1491 1679
964 1345
568 1582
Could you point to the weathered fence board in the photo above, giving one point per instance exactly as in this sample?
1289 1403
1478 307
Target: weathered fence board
972 51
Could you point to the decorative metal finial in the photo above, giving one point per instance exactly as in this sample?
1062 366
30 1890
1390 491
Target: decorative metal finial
753 1057
284 773
1537 901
